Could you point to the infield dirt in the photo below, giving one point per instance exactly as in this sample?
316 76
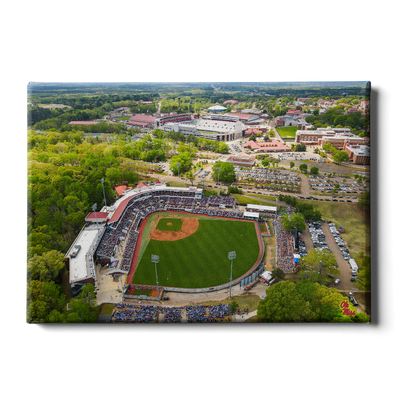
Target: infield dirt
189 226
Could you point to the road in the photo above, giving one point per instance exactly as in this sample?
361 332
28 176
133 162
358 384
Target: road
343 265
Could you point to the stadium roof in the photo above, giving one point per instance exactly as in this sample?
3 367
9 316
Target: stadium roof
244 116
251 214
77 265
261 208
142 118
97 216
217 108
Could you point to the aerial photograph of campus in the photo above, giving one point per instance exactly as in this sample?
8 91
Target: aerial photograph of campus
199 202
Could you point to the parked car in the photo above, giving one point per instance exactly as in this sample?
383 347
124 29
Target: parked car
337 281
353 299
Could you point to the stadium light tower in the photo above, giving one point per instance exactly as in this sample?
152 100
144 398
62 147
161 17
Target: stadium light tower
218 171
231 256
179 176
102 182
155 259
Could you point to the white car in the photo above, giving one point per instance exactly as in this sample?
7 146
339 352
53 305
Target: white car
337 282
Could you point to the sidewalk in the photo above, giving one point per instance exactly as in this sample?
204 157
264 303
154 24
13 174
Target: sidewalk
243 317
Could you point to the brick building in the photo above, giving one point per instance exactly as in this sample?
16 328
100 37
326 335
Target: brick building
358 154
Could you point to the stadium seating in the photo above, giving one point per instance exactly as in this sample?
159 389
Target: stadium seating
125 229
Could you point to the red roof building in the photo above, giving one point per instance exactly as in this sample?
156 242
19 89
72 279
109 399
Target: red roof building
96 216
139 124
120 189
141 185
230 102
273 145
143 118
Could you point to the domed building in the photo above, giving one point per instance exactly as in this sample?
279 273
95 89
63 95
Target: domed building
216 109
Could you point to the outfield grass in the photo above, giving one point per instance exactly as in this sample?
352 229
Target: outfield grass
175 227
201 259
287 131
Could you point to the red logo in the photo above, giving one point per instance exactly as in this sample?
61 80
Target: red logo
344 305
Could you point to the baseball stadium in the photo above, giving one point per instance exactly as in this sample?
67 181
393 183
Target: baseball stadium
175 239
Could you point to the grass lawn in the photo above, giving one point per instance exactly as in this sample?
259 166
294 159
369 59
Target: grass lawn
176 184
287 131
249 301
106 309
124 118
244 200
200 260
140 292
176 224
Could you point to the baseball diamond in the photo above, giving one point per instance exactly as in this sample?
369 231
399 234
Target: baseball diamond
200 259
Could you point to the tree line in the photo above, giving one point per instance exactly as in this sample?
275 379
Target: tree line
306 301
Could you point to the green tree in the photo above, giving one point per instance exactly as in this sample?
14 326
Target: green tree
291 164
340 156
46 267
321 261
314 170
233 306
114 175
278 274
84 308
190 176
301 147
283 303
303 168
227 173
223 148
183 159
292 221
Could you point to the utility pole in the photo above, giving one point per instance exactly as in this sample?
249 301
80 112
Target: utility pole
102 182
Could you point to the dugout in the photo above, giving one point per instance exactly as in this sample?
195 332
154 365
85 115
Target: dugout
251 215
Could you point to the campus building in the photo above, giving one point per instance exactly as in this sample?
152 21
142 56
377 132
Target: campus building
215 127
358 154
142 121
248 119
336 136
271 146
216 109
174 118
241 161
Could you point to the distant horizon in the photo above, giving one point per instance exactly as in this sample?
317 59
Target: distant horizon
272 81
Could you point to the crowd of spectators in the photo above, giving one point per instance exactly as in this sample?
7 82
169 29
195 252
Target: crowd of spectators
172 314
199 313
125 312
215 201
129 313
285 248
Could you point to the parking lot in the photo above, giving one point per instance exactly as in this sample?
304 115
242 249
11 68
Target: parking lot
329 241
343 265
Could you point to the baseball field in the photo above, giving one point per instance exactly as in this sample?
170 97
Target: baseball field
201 258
